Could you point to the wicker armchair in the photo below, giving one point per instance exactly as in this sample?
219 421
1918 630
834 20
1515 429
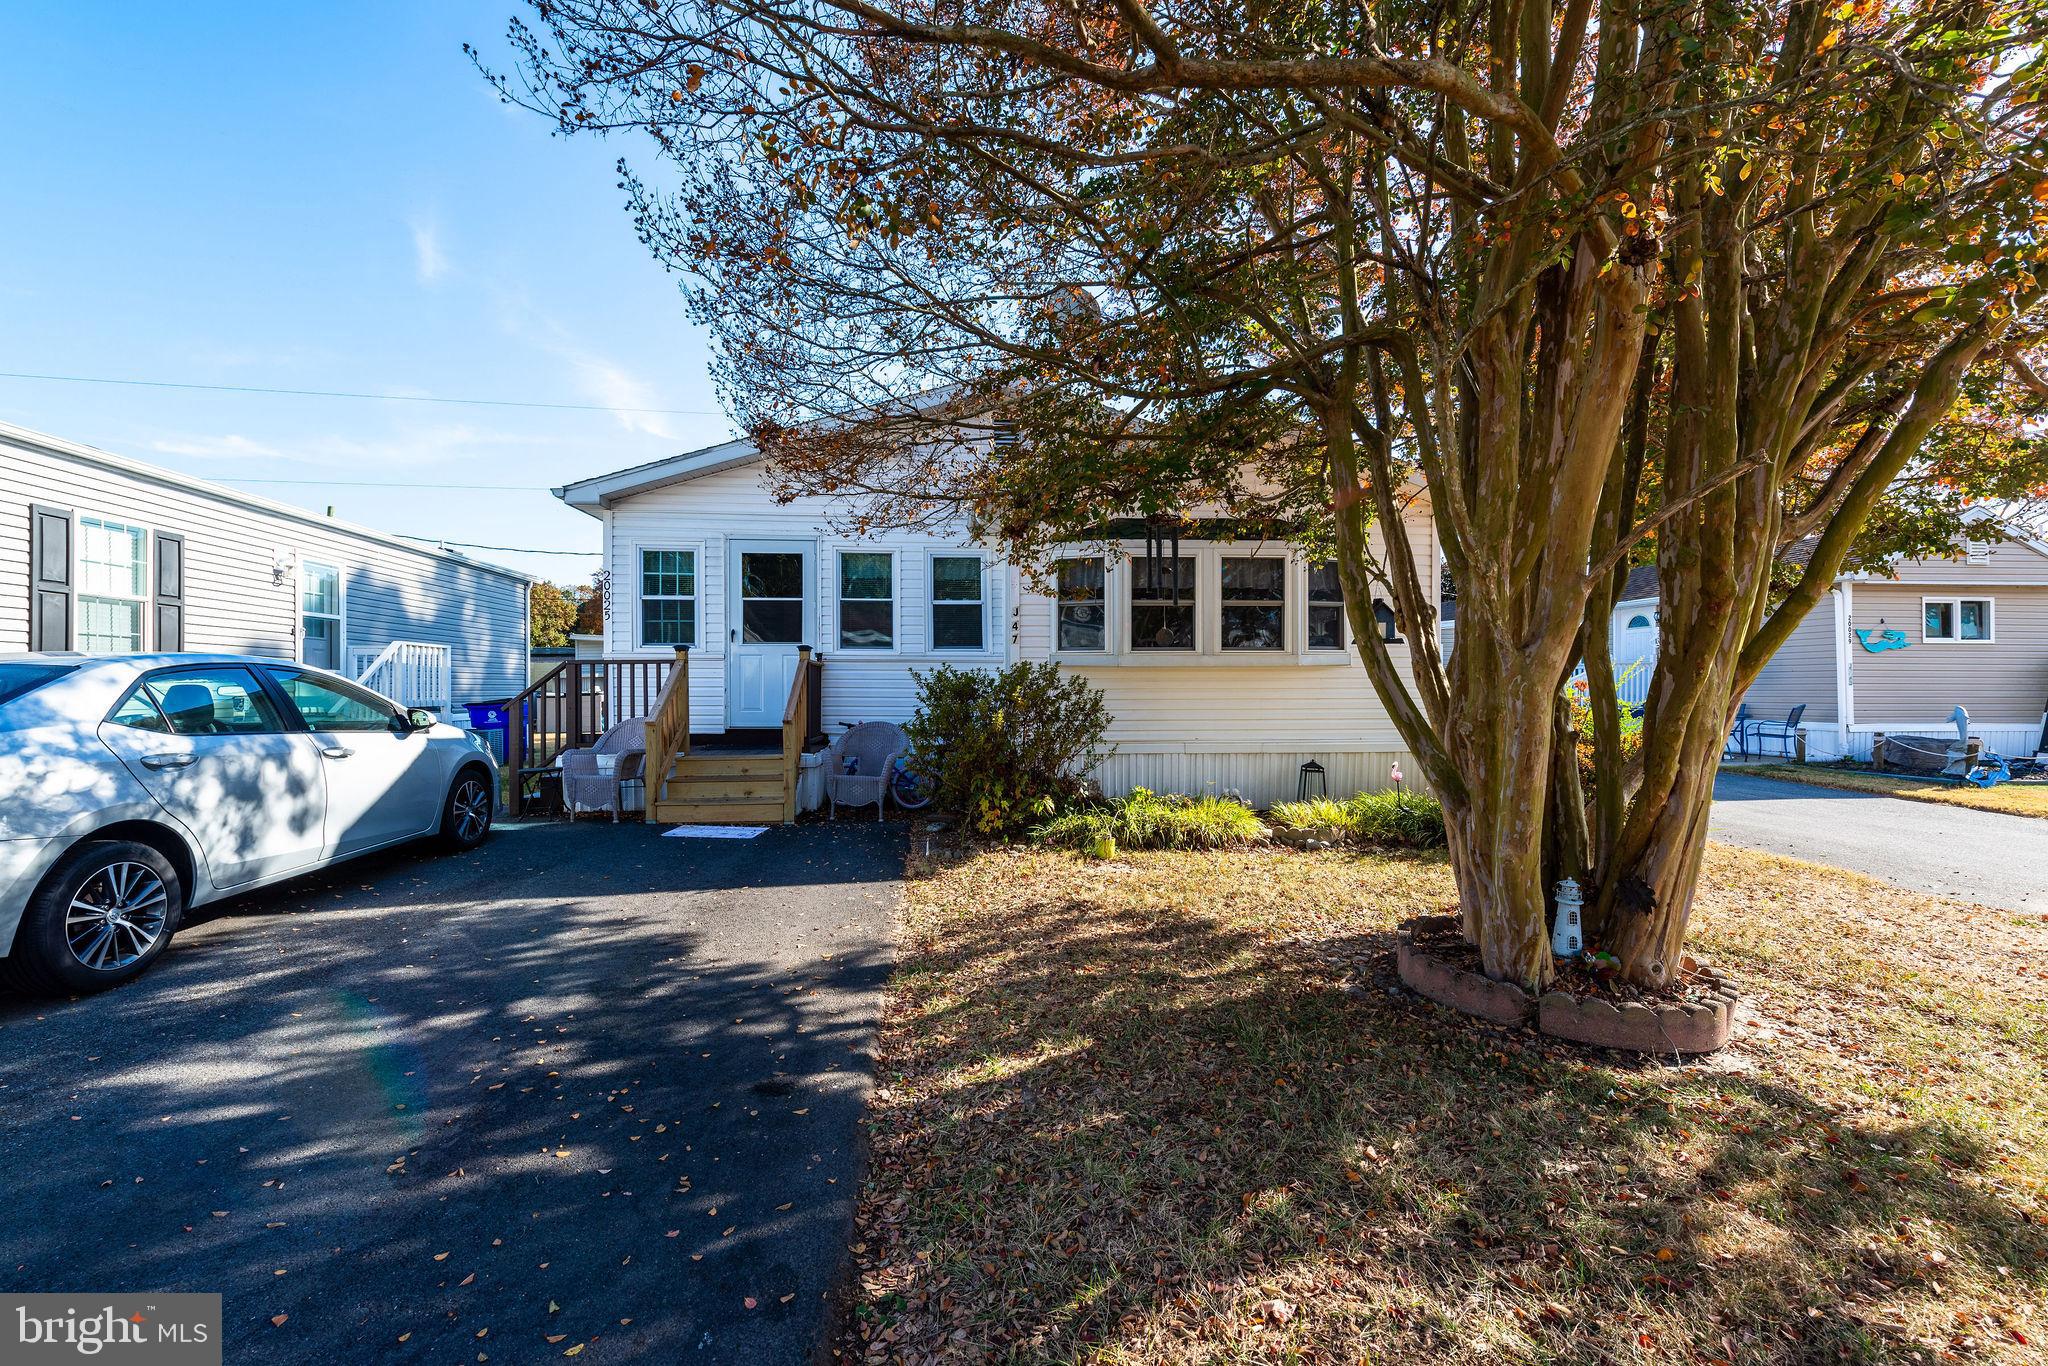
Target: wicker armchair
584 788
873 747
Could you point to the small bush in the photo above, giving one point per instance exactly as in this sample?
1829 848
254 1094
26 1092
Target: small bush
1411 820
1004 748
1150 820
1318 816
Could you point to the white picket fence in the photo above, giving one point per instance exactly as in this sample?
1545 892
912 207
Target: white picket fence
412 673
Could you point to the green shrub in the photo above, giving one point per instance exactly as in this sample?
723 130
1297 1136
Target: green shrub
1412 820
1004 748
1151 820
1317 816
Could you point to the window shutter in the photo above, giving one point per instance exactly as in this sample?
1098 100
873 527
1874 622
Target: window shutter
49 596
170 591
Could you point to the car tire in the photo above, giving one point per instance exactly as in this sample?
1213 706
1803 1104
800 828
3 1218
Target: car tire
100 917
466 813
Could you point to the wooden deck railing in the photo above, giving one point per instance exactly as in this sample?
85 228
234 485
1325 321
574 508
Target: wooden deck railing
797 722
572 704
668 728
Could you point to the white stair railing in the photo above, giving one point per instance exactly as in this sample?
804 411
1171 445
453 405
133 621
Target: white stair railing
412 673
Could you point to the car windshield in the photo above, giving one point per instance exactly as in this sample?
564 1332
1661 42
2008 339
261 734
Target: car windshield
17 679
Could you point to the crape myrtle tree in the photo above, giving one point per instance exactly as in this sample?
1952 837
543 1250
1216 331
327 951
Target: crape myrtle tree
1607 279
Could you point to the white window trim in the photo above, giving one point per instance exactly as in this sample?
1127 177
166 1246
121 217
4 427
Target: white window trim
1110 634
339 616
1320 654
1955 602
144 625
932 603
639 628
895 645
1293 588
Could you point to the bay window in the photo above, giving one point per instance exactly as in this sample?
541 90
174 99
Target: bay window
1082 599
1163 595
1253 600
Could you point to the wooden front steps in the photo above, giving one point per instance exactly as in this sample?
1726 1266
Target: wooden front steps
724 787
741 778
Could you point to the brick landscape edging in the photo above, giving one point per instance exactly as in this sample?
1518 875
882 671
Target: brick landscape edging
1699 1027
1474 994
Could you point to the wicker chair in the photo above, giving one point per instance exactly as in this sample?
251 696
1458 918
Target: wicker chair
873 746
583 786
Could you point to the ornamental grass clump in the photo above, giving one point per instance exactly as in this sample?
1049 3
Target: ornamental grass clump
1318 817
1152 820
1408 820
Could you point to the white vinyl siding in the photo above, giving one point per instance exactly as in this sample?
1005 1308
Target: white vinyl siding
241 559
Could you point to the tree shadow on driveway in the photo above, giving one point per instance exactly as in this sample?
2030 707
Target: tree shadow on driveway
584 1085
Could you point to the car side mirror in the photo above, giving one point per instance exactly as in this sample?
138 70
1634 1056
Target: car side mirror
419 718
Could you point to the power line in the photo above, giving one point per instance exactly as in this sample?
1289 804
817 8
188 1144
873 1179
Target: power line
383 484
344 393
508 549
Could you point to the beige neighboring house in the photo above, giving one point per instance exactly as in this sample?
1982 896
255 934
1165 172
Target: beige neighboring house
1897 653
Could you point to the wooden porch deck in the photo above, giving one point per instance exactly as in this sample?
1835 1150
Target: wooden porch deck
743 779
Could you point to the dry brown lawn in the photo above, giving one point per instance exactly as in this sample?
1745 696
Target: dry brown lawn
2029 798
1173 1108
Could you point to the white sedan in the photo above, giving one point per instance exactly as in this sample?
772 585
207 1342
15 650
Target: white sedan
135 786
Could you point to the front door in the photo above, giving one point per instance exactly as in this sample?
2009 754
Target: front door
773 606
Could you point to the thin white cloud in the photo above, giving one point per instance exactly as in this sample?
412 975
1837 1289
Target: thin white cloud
430 261
598 378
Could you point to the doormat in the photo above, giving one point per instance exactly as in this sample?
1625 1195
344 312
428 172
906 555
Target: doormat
715 832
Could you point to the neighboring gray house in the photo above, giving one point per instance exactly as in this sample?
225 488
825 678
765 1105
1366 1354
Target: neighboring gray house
106 555
1896 653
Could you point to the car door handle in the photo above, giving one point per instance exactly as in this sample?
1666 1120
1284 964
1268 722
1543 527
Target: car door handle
167 760
337 752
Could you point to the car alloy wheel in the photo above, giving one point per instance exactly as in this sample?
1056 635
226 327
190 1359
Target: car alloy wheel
472 809
116 916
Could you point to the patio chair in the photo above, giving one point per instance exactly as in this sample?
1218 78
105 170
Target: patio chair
872 748
1784 732
1738 737
591 783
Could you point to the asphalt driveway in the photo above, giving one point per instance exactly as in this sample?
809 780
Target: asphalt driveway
587 1085
1985 857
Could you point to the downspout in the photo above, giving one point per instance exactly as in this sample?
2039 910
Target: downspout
1845 662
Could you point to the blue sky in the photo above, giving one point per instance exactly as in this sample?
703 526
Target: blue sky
329 197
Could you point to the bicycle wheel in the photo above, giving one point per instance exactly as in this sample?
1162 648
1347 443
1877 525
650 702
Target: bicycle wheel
908 787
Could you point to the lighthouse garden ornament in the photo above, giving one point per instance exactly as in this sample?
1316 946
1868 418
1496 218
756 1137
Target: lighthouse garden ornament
1566 942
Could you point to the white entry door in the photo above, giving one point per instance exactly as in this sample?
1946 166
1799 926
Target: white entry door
773 608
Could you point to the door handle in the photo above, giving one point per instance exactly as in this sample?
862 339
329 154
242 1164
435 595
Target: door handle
167 760
337 752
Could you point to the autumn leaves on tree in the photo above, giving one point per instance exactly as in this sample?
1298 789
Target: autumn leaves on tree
1604 282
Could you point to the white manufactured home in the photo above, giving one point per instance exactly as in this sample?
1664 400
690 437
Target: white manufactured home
107 555
1226 671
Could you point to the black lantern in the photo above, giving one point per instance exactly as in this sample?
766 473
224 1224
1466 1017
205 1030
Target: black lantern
1312 772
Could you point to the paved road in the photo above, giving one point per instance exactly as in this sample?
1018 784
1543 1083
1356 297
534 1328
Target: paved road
1979 856
586 1082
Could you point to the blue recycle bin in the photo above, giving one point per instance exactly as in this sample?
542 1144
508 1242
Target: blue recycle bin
494 720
